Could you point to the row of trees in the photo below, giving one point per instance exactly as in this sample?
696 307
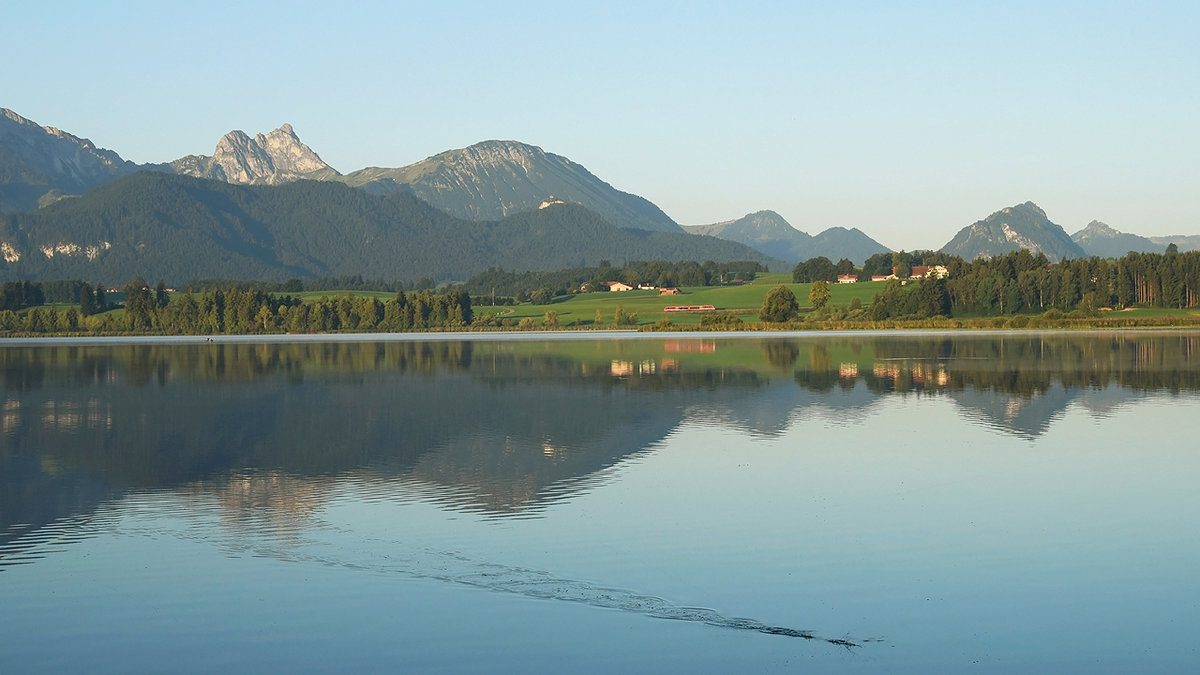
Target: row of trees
821 268
236 312
1024 282
880 264
1013 283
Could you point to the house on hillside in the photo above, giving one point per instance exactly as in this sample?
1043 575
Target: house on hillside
882 277
669 291
616 286
927 271
847 278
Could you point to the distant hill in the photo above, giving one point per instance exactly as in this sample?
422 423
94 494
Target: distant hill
267 159
768 232
493 179
1184 242
765 231
1098 239
1011 229
180 228
42 163
836 243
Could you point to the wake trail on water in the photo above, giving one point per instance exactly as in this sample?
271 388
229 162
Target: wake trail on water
454 568
328 545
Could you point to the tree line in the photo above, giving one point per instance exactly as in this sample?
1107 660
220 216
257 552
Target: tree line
1022 282
242 311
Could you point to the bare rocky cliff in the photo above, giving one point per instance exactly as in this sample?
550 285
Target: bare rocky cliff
266 159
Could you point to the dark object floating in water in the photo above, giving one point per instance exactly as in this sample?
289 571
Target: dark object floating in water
538 584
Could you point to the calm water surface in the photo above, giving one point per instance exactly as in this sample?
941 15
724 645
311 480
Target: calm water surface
846 503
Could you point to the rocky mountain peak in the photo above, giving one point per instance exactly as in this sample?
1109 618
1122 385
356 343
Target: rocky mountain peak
50 159
272 158
1099 239
1010 229
1098 229
1027 207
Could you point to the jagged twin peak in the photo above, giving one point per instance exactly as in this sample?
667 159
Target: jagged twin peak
273 158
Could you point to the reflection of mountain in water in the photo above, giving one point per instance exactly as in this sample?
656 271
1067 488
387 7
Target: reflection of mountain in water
501 432
1027 417
775 407
502 427
1018 383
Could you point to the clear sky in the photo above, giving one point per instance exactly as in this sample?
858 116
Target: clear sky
906 120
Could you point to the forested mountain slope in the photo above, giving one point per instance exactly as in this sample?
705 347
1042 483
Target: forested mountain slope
180 228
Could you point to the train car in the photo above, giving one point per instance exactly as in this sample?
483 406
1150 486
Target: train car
690 308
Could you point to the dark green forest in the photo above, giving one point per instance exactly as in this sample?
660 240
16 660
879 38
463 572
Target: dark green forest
178 228
151 311
1025 283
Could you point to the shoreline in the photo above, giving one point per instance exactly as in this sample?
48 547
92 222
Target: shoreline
533 336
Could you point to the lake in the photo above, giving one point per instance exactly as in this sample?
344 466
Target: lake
841 502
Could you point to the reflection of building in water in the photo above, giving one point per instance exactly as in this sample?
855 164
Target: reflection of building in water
60 415
625 368
12 416
920 373
848 371
888 370
702 346
927 374
549 450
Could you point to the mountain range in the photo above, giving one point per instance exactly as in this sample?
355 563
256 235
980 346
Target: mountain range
478 188
768 232
180 228
1012 229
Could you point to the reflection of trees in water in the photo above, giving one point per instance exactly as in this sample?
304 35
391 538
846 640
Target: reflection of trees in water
1025 365
505 427
781 354
499 428
145 364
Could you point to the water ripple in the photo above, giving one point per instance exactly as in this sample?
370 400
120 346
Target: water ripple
454 568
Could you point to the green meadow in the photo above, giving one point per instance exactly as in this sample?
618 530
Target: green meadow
744 300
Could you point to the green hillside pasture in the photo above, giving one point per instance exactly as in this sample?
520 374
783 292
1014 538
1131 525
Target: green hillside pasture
744 300
309 297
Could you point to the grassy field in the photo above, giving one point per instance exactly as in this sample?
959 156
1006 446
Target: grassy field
744 300
313 296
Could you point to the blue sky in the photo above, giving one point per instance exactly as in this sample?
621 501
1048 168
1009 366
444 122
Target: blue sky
906 120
